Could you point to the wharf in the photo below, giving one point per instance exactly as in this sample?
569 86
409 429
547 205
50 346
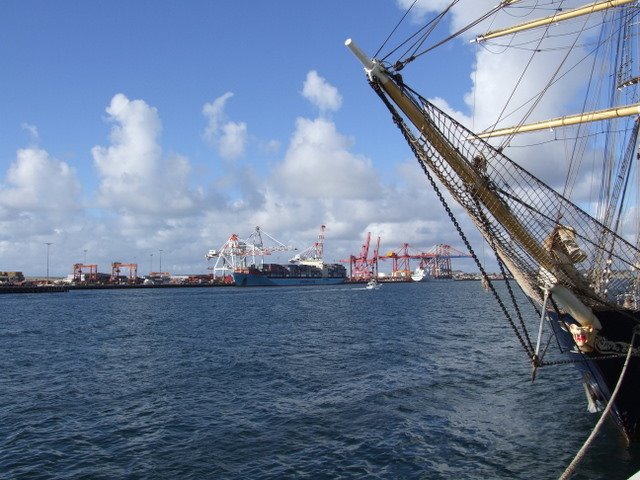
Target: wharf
163 285
66 288
33 288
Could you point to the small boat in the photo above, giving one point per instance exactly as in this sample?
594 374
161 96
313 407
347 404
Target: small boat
373 284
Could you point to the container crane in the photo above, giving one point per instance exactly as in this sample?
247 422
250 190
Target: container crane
400 266
437 260
363 268
314 254
237 254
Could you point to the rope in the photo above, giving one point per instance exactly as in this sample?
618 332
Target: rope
578 458
514 302
400 124
395 28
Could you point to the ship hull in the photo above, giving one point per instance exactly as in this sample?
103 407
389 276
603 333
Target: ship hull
600 376
261 280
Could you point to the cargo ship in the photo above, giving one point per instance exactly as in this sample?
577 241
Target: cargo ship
274 274
241 262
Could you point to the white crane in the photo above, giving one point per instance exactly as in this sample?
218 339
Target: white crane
237 254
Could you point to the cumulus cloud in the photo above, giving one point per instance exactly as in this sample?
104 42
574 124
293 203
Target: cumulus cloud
135 176
40 201
321 174
318 163
227 137
36 182
321 93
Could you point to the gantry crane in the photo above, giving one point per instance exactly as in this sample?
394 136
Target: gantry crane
314 254
362 268
435 262
400 265
77 272
115 272
237 254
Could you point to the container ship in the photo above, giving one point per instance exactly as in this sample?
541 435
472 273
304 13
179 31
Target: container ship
274 274
241 262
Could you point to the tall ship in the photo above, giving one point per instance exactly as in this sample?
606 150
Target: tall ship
241 262
575 256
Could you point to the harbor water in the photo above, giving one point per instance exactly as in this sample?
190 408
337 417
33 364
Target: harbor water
409 381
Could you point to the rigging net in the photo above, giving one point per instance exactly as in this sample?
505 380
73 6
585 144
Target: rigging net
606 264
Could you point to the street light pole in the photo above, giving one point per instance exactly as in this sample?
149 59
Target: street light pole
48 244
150 263
160 262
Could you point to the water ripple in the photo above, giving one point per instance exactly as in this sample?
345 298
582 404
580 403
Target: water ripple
410 381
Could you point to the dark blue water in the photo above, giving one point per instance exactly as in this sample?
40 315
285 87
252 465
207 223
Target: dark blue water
409 381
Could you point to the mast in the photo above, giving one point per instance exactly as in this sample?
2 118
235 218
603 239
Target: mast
556 18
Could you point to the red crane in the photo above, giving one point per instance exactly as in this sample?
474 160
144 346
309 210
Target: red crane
437 260
77 272
115 272
362 268
400 267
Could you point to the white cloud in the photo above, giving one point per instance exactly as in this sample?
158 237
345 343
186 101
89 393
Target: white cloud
320 93
319 164
463 13
232 141
229 138
39 202
135 176
36 182
145 204
420 8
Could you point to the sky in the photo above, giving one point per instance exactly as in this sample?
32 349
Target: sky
134 131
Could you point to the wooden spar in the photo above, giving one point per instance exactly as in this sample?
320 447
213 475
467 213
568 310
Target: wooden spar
470 177
558 17
606 114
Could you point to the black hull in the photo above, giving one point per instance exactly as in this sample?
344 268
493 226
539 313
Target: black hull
600 375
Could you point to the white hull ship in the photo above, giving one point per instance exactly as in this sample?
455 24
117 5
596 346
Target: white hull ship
420 275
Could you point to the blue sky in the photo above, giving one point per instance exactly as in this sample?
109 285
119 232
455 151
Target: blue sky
130 127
